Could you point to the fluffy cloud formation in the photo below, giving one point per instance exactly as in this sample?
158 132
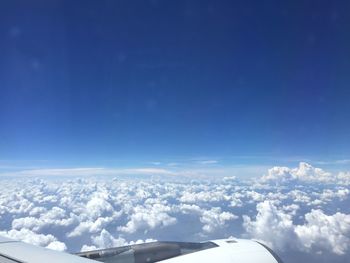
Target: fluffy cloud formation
29 236
320 232
272 225
289 208
148 217
215 218
305 173
97 213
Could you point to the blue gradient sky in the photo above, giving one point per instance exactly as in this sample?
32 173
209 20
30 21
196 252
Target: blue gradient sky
127 82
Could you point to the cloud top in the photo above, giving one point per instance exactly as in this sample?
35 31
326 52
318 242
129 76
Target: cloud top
302 210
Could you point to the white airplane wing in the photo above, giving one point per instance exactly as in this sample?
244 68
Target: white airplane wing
12 251
223 251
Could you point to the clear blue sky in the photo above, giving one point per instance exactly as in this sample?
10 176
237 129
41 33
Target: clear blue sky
88 81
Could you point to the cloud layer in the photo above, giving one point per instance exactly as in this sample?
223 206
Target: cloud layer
302 210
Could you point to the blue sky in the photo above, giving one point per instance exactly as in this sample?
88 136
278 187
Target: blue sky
125 83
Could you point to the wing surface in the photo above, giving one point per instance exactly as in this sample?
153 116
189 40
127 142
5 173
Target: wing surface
13 251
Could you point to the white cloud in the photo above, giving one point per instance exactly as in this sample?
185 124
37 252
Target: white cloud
343 178
148 218
320 232
98 205
55 216
203 196
325 232
31 237
295 214
56 245
215 218
304 173
271 225
106 240
230 179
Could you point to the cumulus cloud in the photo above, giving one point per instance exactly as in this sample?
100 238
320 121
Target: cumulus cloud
215 218
148 217
56 245
271 225
31 237
319 232
106 240
303 209
343 178
304 173
203 196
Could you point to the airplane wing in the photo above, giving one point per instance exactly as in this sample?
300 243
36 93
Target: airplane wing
12 251
223 251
